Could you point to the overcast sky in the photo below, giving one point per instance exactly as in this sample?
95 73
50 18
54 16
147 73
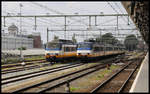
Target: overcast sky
57 8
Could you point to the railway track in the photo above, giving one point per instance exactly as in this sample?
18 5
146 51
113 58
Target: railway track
27 67
60 80
12 79
20 68
19 64
74 75
33 74
117 82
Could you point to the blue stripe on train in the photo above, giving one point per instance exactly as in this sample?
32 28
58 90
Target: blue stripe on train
52 49
84 48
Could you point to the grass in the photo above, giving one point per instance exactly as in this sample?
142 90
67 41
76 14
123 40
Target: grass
113 67
106 71
87 81
10 60
74 88
43 68
35 58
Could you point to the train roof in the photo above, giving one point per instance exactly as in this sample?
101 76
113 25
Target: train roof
84 42
63 41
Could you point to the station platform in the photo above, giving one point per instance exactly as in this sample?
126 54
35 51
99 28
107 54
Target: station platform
141 82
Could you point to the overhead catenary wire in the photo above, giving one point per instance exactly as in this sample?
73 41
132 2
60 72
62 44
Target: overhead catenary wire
128 20
59 12
118 12
56 11
10 13
121 11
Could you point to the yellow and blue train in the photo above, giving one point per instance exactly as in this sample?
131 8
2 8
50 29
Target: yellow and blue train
91 50
61 50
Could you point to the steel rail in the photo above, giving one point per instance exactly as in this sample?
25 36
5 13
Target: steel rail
74 78
54 79
124 84
39 74
110 78
19 69
19 63
34 72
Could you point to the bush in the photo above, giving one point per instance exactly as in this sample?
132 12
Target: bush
23 48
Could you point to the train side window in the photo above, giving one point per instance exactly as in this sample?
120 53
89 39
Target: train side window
67 49
74 48
71 48
101 49
106 48
63 49
109 48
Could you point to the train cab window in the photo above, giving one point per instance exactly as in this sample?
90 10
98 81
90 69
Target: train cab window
96 49
66 49
53 46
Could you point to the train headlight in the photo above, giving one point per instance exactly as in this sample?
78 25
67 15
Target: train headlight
57 54
79 53
88 53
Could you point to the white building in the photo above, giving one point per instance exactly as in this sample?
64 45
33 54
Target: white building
12 40
13 29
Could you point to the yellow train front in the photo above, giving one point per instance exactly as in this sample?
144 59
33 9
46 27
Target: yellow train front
60 51
87 51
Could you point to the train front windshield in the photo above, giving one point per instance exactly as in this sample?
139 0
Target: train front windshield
85 46
53 46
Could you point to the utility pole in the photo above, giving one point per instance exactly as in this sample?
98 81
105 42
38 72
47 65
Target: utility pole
65 28
21 32
47 34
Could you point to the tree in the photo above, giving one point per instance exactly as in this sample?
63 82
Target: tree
131 42
73 39
56 37
107 38
30 36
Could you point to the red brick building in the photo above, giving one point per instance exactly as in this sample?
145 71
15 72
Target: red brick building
37 43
